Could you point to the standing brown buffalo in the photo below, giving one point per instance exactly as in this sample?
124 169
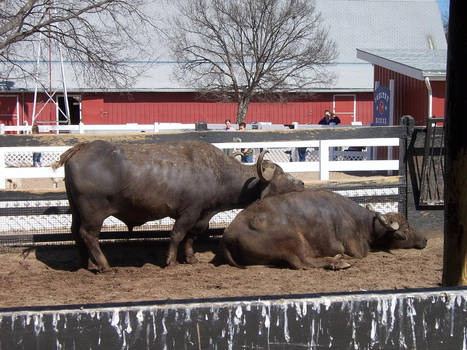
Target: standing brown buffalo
189 181
300 229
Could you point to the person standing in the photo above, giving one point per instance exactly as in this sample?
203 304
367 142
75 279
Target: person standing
334 120
36 156
329 118
247 153
228 125
301 154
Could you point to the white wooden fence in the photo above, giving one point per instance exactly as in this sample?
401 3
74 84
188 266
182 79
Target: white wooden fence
95 129
25 170
135 127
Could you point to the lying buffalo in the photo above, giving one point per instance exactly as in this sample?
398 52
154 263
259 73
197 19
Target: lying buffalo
299 229
189 181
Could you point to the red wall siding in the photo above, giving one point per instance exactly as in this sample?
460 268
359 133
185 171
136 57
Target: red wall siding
411 95
92 108
365 108
439 97
147 108
47 109
8 109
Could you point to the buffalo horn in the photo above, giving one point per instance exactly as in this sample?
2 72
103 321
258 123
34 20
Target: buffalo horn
267 174
392 227
370 207
236 154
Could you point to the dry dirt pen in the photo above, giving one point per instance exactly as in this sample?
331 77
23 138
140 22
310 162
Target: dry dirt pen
50 303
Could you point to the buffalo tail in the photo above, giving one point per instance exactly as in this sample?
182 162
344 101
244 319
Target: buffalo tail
68 154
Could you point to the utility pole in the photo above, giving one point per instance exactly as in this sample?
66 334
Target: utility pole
455 212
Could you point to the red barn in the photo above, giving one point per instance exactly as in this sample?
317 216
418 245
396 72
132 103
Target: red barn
419 78
156 97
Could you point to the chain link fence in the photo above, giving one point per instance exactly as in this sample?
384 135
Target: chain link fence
35 221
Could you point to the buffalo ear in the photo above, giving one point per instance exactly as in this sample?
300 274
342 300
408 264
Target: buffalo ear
265 170
268 173
394 225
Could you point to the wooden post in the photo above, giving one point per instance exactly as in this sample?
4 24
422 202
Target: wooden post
455 214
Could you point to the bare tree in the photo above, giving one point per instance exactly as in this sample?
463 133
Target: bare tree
98 37
240 49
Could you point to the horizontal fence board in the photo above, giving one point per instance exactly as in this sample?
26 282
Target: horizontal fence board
409 319
209 136
364 165
34 173
16 211
13 240
31 195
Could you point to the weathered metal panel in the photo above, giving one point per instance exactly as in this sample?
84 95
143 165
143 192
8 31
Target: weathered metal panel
418 319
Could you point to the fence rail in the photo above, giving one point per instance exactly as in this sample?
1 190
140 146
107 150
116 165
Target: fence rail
409 319
132 127
94 128
31 217
337 162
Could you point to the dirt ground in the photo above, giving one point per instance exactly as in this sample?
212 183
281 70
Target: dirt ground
50 275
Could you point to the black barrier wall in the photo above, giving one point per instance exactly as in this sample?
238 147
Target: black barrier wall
417 319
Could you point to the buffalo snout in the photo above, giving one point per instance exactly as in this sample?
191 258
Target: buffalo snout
421 243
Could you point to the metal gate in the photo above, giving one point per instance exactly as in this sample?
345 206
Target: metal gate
432 179
425 162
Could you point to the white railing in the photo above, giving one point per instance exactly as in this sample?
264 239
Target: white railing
10 170
324 165
96 129
132 127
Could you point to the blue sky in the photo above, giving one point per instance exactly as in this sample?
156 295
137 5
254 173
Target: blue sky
444 7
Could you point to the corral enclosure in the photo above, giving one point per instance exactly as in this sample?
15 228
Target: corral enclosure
41 217
49 275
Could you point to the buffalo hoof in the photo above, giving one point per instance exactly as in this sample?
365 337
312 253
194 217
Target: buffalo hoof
107 270
340 265
191 260
171 264
92 267
98 270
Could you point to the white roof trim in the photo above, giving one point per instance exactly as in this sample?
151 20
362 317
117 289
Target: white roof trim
401 68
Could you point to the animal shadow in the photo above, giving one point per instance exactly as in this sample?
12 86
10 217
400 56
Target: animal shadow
119 254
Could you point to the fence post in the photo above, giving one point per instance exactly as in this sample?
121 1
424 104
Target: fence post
324 160
2 129
156 127
408 122
2 168
81 128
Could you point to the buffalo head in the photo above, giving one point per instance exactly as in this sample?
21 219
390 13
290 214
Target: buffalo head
398 234
276 179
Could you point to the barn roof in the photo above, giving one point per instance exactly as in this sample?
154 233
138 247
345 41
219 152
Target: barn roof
377 24
417 64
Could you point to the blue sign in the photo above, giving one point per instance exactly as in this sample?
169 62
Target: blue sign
381 106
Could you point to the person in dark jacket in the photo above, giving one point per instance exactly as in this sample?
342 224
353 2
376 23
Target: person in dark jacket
329 118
